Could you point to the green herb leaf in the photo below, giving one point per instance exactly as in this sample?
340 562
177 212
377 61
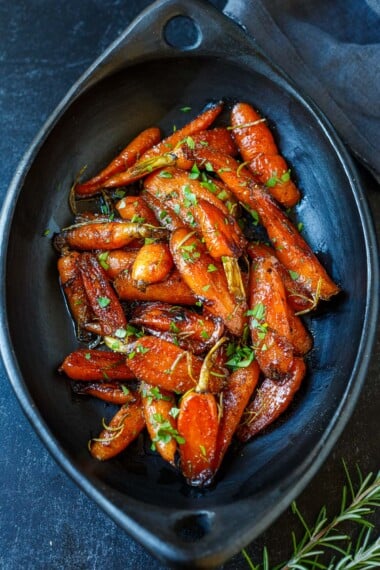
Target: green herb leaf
103 302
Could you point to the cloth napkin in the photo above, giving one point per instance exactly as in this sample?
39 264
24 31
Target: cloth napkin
331 50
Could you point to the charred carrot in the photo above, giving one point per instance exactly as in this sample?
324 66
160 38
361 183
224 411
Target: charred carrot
235 397
268 293
258 148
74 290
117 260
91 365
291 249
128 156
206 279
106 391
179 325
173 287
200 123
135 209
108 235
102 298
272 398
163 364
160 412
124 427
198 423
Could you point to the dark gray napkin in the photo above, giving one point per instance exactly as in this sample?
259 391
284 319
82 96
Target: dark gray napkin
331 50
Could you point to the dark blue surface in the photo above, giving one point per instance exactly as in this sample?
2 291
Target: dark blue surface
45 521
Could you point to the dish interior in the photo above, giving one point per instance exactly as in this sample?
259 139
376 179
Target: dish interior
94 128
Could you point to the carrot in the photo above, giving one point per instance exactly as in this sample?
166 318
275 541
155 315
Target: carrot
200 123
257 147
74 290
128 156
124 427
179 325
172 289
272 398
235 397
135 209
102 298
206 279
91 365
153 264
107 235
159 408
163 364
106 391
291 249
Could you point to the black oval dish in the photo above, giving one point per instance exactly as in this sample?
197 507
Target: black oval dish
142 81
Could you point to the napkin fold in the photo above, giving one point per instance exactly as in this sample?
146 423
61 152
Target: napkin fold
331 50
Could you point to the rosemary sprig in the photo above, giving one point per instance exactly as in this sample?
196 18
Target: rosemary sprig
325 537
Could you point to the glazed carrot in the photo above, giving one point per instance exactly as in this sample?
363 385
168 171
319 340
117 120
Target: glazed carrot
222 235
111 393
172 289
198 424
153 264
280 313
269 322
73 288
128 156
116 261
102 298
291 249
91 365
200 123
298 297
163 364
166 215
135 209
257 147
107 235
159 409
272 398
235 397
124 427
206 279
175 189
179 325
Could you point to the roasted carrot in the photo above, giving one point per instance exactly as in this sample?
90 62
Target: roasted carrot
173 287
291 249
135 209
235 397
268 287
198 423
175 189
190 330
124 427
258 148
166 215
74 290
272 398
163 364
206 279
159 408
153 264
102 298
128 156
106 391
116 261
200 123
108 235
91 365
